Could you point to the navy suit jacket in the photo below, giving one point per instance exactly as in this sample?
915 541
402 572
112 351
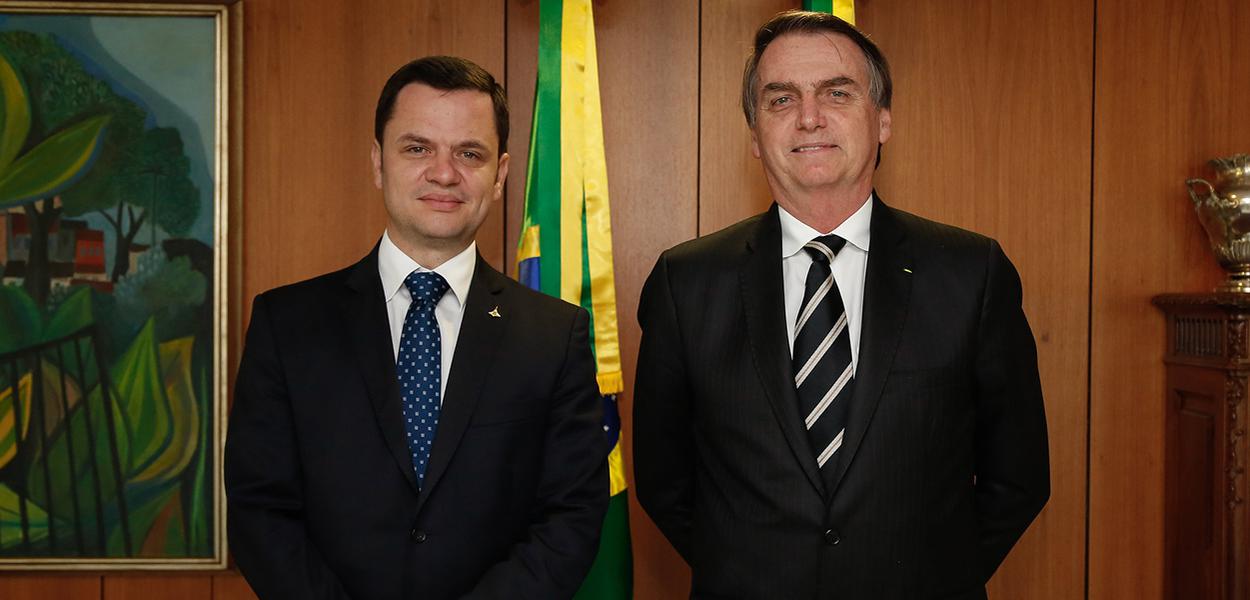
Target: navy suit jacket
323 501
945 460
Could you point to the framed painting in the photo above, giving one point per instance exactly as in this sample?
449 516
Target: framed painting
117 122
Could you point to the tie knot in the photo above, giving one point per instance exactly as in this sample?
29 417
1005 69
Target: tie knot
824 248
426 286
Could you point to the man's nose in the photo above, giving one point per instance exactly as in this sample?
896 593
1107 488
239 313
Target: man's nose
810 116
442 171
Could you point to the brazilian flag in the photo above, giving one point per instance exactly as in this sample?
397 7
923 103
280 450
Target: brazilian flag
843 9
566 239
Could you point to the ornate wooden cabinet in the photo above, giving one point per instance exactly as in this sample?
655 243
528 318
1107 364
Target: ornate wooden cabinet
1207 545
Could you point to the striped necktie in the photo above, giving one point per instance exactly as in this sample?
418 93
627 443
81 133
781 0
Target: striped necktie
823 374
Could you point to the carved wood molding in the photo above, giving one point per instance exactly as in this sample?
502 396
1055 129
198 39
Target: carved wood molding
1235 394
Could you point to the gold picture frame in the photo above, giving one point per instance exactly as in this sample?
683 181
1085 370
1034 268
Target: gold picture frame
113 389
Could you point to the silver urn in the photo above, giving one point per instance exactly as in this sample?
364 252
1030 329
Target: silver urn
1223 207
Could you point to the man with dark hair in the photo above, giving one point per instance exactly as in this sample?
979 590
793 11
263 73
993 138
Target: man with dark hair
817 419
417 425
443 73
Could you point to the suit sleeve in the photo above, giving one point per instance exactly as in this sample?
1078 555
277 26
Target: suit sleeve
1012 454
263 483
664 457
563 539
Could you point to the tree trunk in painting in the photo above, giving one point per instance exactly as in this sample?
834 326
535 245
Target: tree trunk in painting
121 252
38 279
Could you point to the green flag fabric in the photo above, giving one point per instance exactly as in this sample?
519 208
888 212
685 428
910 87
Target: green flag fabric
565 248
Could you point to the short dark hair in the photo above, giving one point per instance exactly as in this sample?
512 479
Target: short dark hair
443 73
796 21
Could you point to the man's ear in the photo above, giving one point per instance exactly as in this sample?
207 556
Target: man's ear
376 156
501 175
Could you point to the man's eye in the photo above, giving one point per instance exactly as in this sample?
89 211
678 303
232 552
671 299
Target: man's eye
471 155
416 149
780 101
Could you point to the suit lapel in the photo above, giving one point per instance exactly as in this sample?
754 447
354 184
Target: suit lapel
479 338
887 290
763 303
364 312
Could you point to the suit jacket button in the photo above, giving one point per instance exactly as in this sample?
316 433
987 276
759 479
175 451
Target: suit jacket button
418 536
832 538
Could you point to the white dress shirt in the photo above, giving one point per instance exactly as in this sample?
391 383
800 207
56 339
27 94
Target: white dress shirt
394 266
849 267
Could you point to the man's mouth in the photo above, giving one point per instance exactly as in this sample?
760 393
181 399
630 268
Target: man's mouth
441 201
813 148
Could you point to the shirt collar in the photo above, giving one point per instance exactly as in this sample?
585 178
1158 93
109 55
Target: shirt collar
394 266
795 233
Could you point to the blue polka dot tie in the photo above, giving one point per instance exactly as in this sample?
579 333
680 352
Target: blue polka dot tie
419 367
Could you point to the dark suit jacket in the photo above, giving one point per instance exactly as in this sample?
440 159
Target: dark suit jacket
945 461
322 496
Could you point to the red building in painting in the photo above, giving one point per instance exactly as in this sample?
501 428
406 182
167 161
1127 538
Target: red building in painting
89 266
75 252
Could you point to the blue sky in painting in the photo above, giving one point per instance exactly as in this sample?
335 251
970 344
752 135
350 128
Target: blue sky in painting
165 64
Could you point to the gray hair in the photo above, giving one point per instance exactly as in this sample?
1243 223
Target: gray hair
880 87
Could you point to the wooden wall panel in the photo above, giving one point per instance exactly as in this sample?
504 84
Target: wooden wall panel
231 586
650 129
166 587
143 586
313 74
42 587
648 70
1170 88
991 124
731 180
522 72
1002 124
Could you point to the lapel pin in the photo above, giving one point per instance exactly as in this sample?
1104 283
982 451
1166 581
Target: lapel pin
906 270
494 312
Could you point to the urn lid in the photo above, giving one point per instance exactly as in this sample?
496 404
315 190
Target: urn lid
1232 172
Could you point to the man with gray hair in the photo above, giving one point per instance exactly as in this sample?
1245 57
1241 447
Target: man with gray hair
835 399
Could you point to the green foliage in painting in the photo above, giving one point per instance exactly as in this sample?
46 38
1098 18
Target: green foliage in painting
151 421
156 175
141 176
105 395
53 164
172 291
21 324
15 120
71 315
9 427
11 525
